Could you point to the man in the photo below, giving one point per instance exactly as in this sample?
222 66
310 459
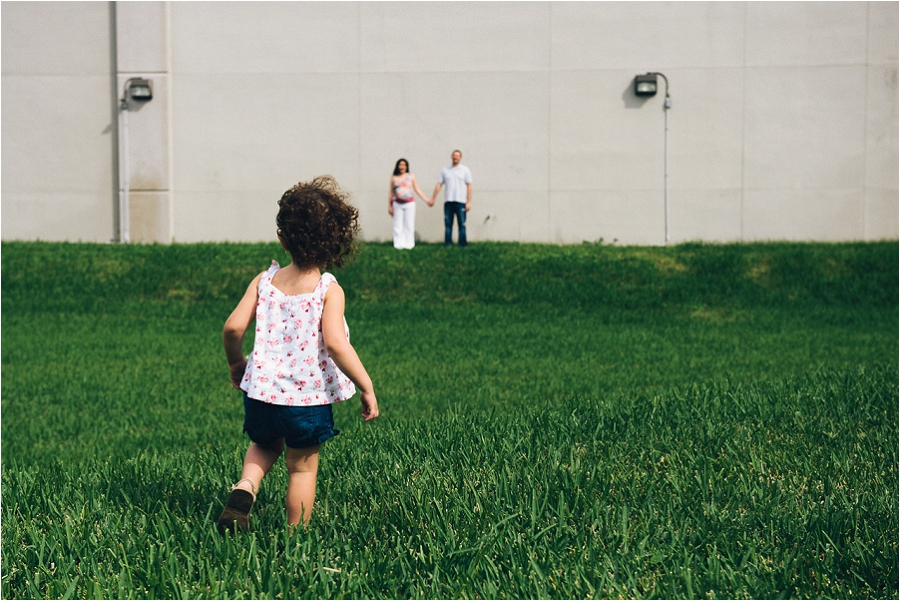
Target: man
457 197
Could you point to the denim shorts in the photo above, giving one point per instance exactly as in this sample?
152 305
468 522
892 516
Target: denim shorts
301 427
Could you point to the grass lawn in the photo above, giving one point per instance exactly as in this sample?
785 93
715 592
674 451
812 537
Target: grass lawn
584 421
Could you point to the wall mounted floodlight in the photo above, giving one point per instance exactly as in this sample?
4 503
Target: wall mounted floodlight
138 88
645 85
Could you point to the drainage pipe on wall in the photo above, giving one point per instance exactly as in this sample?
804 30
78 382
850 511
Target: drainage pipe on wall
124 218
666 106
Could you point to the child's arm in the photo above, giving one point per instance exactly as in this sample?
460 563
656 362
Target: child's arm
233 333
342 352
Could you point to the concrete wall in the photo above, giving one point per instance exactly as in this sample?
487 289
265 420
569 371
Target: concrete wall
783 125
142 51
59 121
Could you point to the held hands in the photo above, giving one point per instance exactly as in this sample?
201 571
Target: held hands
428 201
369 405
237 372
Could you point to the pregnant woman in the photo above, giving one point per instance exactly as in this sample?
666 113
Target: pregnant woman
402 205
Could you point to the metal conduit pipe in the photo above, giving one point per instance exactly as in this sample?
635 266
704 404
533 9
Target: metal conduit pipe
645 85
141 90
666 106
124 184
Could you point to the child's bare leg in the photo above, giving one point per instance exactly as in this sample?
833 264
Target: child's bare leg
258 461
302 466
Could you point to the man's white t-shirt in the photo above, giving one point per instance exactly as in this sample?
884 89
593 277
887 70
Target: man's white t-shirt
455 180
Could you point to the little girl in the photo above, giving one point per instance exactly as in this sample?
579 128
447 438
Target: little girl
302 360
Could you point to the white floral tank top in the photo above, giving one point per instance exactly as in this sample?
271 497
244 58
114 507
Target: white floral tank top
289 364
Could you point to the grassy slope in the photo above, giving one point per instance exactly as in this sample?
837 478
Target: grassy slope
559 421
134 332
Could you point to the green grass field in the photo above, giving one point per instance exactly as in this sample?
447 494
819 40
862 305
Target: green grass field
589 421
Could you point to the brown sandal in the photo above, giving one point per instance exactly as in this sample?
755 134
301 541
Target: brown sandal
237 508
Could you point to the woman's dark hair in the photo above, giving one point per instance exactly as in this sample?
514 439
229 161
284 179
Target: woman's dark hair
397 166
317 224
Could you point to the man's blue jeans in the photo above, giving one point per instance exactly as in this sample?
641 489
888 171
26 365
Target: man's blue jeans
458 209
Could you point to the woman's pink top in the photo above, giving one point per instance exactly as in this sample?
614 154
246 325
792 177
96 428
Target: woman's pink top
289 364
403 190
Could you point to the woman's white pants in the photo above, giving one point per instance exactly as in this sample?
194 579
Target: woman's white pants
404 225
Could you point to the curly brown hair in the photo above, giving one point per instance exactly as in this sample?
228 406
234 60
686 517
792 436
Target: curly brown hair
318 225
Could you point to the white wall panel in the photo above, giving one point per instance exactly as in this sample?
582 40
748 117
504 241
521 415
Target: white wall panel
142 43
883 27
882 173
265 37
467 37
79 155
805 128
785 214
620 216
58 128
705 214
264 131
504 215
881 128
647 36
806 34
882 213
227 215
375 221
148 135
706 125
149 216
602 136
73 216
142 51
55 38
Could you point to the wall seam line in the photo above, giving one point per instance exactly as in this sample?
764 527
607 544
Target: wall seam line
743 127
169 122
114 121
359 124
550 120
865 187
